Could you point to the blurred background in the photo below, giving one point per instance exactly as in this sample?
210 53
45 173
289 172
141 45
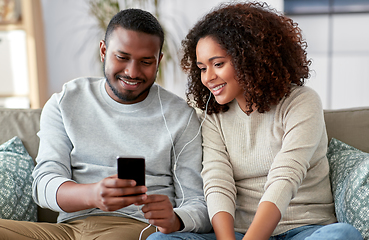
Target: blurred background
45 43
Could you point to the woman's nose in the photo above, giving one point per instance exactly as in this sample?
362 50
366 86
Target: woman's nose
209 75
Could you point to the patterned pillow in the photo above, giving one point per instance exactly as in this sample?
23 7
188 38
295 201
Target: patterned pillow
350 184
16 167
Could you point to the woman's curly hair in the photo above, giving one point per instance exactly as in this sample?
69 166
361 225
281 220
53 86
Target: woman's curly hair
266 48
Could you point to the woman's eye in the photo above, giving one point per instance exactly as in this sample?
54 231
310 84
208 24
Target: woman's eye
218 64
202 69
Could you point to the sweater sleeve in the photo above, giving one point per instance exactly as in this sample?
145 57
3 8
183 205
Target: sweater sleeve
219 184
302 120
53 160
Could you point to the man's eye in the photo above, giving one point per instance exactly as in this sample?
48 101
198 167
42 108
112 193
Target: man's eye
121 57
147 63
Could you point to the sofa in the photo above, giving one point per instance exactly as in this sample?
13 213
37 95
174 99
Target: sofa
350 126
24 123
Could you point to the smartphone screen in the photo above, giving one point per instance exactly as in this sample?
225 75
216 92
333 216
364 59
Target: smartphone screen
132 168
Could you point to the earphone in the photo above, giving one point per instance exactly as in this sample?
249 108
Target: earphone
176 157
170 135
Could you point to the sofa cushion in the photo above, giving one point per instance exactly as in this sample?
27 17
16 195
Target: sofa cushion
349 172
24 123
16 167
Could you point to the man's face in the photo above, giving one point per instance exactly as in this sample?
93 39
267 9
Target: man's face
131 61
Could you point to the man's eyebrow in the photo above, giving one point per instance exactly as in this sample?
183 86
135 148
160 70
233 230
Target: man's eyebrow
121 52
124 53
211 59
149 57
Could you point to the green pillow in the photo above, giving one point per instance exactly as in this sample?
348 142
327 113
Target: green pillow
16 167
349 172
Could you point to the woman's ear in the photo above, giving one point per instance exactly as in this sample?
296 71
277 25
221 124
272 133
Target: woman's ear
102 50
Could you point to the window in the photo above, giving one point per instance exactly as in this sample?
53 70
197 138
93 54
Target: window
337 35
296 7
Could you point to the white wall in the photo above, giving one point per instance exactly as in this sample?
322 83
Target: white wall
338 46
72 37
72 41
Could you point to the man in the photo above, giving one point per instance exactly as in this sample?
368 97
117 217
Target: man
92 121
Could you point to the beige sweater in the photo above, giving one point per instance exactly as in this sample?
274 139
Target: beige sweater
278 156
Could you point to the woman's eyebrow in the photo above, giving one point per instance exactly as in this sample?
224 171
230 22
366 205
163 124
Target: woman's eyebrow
211 59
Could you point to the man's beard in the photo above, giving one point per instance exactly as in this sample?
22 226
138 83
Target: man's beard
127 97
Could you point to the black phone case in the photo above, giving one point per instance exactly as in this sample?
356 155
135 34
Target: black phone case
132 168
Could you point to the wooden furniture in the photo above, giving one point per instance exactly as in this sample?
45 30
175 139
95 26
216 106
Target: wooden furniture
31 23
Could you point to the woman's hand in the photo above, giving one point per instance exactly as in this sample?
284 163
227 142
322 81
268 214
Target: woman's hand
223 225
265 221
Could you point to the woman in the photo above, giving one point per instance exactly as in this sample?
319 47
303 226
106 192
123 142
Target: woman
264 139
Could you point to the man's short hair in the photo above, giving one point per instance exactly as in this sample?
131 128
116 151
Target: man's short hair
135 20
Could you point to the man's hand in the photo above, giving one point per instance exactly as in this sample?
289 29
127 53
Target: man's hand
113 193
159 210
109 194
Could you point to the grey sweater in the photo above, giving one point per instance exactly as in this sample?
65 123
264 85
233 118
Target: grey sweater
83 130
278 156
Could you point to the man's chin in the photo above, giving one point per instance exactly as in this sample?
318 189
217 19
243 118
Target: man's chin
132 97
129 96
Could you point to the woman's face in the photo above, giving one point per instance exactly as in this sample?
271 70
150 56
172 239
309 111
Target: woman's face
217 72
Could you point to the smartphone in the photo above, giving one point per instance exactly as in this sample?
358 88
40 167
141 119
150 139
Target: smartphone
132 168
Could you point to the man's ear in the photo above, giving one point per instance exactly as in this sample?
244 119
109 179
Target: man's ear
102 50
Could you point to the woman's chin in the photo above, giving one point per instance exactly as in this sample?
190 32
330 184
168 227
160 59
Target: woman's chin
222 101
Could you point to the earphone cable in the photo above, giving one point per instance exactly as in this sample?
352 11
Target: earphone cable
173 147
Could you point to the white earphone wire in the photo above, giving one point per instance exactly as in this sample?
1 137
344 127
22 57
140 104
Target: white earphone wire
176 157
174 151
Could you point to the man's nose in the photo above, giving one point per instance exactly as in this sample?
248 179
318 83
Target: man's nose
132 69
